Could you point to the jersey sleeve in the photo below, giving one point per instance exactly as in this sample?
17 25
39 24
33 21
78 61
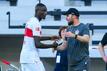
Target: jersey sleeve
33 28
86 30
104 40
36 30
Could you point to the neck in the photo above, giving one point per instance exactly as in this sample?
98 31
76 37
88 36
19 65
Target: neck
76 22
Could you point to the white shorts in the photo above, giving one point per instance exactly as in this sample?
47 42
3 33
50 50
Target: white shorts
37 66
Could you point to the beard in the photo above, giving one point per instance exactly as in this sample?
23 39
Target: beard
70 23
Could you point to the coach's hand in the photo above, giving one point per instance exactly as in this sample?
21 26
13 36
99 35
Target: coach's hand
69 34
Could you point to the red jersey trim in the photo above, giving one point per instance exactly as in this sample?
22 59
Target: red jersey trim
28 32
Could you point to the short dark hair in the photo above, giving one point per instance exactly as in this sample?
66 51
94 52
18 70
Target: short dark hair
38 6
60 29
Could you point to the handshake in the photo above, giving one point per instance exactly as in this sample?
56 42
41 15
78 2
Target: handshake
59 44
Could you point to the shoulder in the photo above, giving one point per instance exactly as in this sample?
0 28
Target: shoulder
32 21
84 26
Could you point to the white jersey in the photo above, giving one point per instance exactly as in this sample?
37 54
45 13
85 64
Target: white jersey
29 53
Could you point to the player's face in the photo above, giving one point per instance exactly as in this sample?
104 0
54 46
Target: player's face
42 12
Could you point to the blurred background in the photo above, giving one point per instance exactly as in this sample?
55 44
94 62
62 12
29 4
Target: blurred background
15 13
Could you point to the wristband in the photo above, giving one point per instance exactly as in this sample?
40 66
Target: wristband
76 36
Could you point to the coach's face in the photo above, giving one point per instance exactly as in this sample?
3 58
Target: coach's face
69 18
42 12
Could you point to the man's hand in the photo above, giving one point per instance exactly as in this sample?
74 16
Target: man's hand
63 46
69 34
55 45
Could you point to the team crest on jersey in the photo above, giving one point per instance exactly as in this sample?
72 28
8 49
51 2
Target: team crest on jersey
77 32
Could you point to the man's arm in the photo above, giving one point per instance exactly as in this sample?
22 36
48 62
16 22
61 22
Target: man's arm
38 44
101 46
63 46
48 38
84 38
101 50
